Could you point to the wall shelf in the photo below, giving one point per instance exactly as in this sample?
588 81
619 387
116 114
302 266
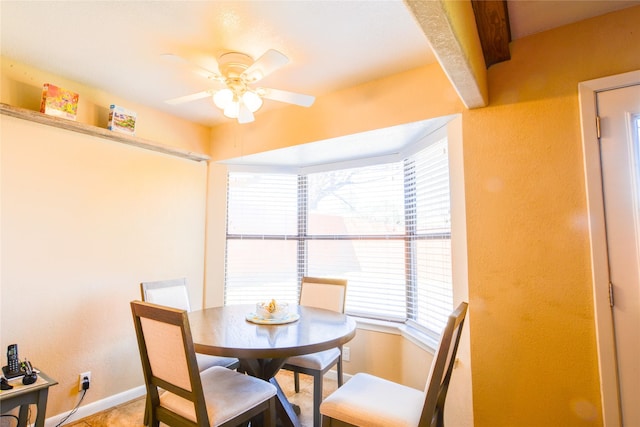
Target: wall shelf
35 116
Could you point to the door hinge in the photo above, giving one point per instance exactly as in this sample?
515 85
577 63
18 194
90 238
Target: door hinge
610 294
598 126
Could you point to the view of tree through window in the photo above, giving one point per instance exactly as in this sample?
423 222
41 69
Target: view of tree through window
385 228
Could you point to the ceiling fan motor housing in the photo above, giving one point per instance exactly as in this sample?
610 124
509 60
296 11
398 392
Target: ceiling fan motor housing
233 64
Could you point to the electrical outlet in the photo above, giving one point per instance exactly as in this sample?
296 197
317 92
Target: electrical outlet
81 379
346 354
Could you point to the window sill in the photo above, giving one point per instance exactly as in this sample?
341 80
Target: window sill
419 338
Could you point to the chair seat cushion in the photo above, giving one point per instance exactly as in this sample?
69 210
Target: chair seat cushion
228 394
206 361
318 361
366 400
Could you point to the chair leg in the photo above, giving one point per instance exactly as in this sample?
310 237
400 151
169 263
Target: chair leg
439 417
296 381
153 421
270 414
339 368
146 412
317 399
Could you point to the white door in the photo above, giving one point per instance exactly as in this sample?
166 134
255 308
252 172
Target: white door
619 113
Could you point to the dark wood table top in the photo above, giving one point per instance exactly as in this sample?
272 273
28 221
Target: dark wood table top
225 331
263 349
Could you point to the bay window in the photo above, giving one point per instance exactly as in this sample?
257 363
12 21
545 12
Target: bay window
385 227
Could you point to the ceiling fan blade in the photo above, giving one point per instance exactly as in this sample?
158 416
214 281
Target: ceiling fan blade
270 61
210 72
189 98
244 114
288 97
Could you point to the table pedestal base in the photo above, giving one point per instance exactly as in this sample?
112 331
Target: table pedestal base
267 369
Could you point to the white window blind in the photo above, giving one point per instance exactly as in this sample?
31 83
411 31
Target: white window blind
356 231
429 228
385 228
262 226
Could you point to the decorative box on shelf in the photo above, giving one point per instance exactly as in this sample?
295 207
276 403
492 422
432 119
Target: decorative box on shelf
122 120
59 102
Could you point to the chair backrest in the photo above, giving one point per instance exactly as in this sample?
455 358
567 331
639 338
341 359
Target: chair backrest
172 293
329 294
441 368
168 359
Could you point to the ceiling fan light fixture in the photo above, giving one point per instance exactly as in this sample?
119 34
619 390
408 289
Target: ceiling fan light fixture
237 72
223 98
232 110
252 101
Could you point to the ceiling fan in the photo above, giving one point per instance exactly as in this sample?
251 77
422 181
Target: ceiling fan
237 74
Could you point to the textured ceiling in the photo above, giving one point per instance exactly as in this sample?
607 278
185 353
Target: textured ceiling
116 46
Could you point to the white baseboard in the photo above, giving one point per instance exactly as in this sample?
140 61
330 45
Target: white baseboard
126 396
100 405
333 374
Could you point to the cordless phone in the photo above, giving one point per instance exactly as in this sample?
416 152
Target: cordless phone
13 368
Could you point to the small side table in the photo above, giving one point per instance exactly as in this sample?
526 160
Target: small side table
25 395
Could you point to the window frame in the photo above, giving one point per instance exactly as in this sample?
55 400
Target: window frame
410 237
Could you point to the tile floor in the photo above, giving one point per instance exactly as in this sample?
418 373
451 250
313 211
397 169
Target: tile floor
130 414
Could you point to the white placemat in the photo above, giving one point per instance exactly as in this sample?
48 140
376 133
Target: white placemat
254 318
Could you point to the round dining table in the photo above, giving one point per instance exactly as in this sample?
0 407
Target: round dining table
263 345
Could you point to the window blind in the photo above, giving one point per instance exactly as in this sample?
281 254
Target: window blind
385 228
431 300
356 231
261 248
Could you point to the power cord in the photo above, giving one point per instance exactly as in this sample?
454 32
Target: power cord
74 410
17 418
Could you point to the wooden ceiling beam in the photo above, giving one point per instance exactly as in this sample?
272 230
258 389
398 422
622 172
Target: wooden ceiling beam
450 30
492 21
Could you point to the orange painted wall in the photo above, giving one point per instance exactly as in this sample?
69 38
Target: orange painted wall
531 320
83 221
403 98
533 344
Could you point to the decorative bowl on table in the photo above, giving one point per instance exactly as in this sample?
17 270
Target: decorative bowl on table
272 310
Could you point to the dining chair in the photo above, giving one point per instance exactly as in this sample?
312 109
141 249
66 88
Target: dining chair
329 294
173 293
367 400
214 397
